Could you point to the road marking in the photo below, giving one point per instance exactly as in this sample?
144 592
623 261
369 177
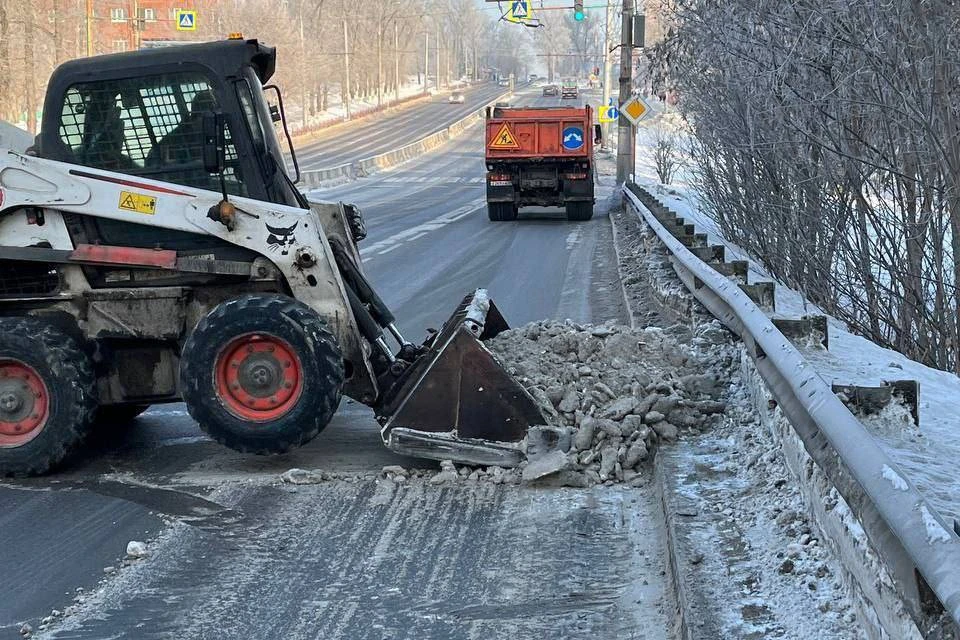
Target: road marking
388 249
389 244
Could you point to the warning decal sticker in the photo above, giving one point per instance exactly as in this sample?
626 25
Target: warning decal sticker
137 202
504 139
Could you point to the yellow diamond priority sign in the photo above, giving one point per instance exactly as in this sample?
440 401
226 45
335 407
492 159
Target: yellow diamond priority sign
635 109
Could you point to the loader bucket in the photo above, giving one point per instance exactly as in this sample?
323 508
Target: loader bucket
456 401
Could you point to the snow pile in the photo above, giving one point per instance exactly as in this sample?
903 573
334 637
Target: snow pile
619 390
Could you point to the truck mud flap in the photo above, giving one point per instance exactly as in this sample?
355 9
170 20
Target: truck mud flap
456 401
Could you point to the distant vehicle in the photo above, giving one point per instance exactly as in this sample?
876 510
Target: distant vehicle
569 90
534 77
550 90
540 156
504 83
456 98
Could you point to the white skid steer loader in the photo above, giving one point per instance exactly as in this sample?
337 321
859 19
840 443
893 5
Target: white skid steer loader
154 249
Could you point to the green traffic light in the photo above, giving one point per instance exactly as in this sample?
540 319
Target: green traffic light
578 15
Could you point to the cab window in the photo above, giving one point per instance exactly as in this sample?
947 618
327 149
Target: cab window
148 126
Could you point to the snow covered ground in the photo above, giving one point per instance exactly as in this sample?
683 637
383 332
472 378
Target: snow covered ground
927 454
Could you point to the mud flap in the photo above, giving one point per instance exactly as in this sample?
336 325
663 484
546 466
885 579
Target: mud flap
457 402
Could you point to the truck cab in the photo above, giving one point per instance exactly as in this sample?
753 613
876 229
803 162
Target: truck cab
144 119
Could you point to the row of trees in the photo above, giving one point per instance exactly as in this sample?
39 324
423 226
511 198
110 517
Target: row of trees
317 41
826 142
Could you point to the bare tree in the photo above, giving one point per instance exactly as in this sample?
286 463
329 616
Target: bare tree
827 142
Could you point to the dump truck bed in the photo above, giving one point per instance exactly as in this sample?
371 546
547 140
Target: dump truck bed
534 134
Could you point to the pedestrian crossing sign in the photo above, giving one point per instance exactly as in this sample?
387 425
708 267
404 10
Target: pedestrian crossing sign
186 20
504 139
520 11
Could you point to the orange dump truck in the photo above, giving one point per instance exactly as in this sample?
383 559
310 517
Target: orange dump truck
540 156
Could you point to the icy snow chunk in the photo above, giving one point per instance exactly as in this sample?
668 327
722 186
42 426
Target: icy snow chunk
136 549
898 483
935 531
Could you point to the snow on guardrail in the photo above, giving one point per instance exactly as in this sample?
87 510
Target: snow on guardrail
921 553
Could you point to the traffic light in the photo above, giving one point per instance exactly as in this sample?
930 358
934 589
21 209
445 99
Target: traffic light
578 10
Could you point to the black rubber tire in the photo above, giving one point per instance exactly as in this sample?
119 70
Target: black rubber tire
117 414
502 211
579 211
306 333
67 372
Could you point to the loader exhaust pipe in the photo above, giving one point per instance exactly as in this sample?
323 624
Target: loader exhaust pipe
456 401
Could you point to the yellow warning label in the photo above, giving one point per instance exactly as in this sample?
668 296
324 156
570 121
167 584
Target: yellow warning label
504 139
138 202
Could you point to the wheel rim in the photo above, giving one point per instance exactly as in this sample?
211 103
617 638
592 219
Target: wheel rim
258 377
24 403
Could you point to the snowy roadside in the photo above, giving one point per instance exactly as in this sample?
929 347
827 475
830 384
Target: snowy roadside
746 560
927 452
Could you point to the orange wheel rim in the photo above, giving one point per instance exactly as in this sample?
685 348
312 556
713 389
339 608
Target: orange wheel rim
258 377
24 403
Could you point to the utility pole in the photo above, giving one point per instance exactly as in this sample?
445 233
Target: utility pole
438 59
608 68
426 60
625 132
136 25
303 57
396 60
380 62
89 18
345 90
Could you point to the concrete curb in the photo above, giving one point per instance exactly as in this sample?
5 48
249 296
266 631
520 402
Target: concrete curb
631 316
681 627
318 178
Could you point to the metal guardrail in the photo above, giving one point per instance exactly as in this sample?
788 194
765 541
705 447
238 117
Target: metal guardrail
920 552
366 166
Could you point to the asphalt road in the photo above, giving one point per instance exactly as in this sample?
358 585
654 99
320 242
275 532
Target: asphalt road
392 129
235 554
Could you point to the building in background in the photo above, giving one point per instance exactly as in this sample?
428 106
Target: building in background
114 25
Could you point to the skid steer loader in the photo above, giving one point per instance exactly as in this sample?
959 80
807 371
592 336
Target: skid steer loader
153 249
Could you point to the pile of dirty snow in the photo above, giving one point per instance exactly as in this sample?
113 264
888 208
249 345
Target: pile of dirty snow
619 390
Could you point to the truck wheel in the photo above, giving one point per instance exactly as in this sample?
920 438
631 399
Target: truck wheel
579 211
502 211
262 373
46 395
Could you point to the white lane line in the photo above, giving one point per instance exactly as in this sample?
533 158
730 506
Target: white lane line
389 249
389 244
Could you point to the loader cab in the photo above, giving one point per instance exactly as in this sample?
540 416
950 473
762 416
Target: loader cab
141 113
